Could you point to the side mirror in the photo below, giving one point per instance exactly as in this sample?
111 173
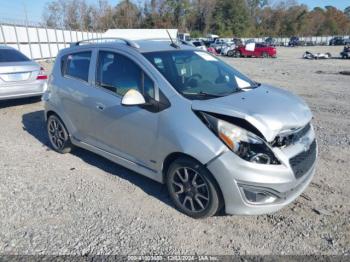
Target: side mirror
133 98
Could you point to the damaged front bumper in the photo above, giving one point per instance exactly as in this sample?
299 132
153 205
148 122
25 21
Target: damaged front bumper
252 189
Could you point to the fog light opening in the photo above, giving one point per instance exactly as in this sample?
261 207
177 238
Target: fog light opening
258 197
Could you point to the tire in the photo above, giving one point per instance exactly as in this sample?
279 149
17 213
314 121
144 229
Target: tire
265 55
230 53
193 189
58 135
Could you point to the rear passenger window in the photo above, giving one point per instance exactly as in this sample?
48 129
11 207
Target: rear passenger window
77 65
119 74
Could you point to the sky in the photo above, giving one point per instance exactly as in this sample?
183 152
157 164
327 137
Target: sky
14 9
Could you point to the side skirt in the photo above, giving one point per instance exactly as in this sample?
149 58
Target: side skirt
150 173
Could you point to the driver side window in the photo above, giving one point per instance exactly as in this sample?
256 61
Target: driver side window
119 74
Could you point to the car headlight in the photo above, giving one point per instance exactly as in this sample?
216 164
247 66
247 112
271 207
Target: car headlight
243 143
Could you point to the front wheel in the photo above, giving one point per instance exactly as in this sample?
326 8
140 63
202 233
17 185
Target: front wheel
192 188
58 135
230 53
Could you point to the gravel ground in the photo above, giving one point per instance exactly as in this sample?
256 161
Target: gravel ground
81 203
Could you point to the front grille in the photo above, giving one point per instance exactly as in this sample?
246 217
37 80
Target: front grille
302 162
284 141
301 133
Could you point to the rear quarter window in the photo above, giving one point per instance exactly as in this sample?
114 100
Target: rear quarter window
76 65
11 55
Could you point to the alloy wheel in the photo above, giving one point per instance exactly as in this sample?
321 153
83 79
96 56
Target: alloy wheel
191 189
57 134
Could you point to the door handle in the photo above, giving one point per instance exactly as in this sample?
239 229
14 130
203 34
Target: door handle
100 107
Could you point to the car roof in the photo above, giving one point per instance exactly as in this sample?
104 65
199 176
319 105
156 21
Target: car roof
143 46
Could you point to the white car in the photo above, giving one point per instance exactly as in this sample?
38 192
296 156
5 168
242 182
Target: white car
200 45
229 50
19 76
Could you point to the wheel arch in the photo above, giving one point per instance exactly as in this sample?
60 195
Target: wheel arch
176 155
52 112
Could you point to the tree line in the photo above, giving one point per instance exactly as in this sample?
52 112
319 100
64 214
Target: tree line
240 18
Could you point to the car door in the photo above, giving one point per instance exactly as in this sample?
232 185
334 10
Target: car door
75 86
129 132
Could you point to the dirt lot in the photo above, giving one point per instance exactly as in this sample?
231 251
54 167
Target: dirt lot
80 203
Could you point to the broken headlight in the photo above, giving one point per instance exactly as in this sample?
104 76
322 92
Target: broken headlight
243 143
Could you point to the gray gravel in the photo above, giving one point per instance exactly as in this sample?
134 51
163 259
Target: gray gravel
81 203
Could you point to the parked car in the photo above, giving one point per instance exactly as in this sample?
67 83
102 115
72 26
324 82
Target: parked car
182 117
295 41
184 37
338 40
229 50
219 44
270 41
260 50
249 41
345 54
199 45
237 41
19 76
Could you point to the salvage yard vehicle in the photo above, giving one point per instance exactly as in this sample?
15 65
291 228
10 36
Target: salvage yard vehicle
309 55
339 40
345 54
19 76
219 44
270 41
229 50
183 117
200 45
258 50
295 41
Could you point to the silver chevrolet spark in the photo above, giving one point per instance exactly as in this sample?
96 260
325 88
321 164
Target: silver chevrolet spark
183 117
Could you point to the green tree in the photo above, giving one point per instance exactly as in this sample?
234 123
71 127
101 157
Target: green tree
127 15
231 18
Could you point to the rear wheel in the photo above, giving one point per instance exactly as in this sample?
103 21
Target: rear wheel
192 188
58 135
265 55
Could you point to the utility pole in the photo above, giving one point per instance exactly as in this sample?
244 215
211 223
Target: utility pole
25 13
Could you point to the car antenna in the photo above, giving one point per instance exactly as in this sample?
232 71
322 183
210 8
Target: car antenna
173 44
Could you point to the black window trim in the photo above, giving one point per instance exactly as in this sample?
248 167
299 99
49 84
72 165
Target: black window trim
64 59
118 52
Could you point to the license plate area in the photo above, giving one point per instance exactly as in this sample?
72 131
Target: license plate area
14 77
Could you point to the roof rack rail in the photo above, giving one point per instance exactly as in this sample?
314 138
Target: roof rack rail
97 40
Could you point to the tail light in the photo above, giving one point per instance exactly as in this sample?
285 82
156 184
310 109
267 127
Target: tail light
42 75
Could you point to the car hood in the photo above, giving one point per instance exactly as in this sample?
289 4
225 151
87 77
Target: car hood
271 110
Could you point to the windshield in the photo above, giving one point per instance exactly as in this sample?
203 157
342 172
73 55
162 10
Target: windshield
197 74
